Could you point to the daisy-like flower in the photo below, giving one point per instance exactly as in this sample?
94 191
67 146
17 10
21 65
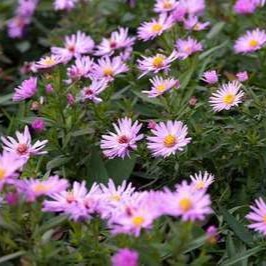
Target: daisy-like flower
75 45
202 180
22 146
47 62
81 69
125 255
162 6
210 77
64 4
119 40
257 216
187 47
120 143
107 68
26 90
212 234
16 26
245 6
161 85
168 138
9 164
92 92
188 203
193 23
226 97
242 76
32 188
250 42
156 27
156 63
193 7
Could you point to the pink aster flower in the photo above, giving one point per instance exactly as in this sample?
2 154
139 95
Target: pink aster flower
202 180
47 62
210 77
38 125
135 216
22 146
26 8
162 6
81 69
227 96
242 76
257 216
120 143
168 138
193 23
179 13
250 42
161 85
64 4
156 27
155 63
78 203
125 255
92 92
119 40
34 188
75 45
16 26
187 47
245 6
193 7
188 203
107 68
26 90
212 234
10 163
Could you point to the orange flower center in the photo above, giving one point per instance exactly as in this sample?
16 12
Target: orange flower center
169 141
167 5
158 61
161 88
108 71
229 98
48 61
253 43
185 204
41 188
157 27
200 185
2 173
138 221
115 197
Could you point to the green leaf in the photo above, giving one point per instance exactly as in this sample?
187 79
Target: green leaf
120 169
242 256
12 256
57 162
96 169
215 30
5 99
52 223
237 227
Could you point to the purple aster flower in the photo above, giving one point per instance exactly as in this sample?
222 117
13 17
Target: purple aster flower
162 6
193 7
92 92
156 27
168 138
34 188
257 216
47 62
193 23
38 125
26 90
187 47
228 96
250 42
22 146
210 77
124 257
64 4
242 76
245 6
118 40
212 234
202 180
120 143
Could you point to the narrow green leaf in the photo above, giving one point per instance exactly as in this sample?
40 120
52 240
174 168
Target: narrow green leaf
12 256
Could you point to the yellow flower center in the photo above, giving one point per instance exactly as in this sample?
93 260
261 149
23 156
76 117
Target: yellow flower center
264 218
185 204
200 185
167 5
41 188
161 88
253 43
229 98
2 173
48 61
197 26
158 61
116 197
108 71
156 28
169 141
138 221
